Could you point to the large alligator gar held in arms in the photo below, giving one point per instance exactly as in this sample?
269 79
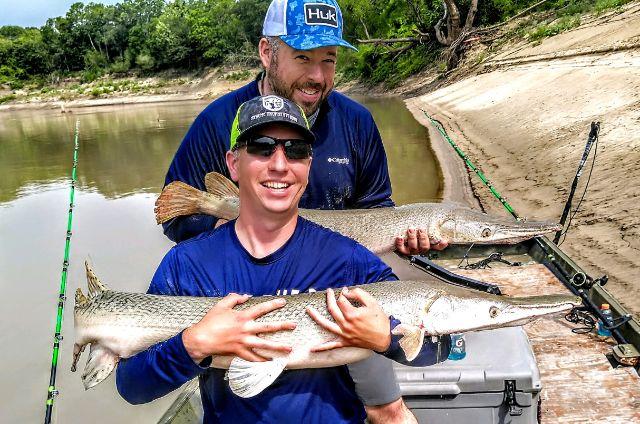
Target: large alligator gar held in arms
119 325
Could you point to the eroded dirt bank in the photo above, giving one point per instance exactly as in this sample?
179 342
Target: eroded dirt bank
524 118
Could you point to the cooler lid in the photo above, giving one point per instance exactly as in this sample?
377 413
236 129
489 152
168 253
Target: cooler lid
493 356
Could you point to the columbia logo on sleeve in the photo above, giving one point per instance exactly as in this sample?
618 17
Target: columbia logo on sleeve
340 161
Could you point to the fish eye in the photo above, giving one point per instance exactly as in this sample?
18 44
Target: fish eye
486 232
493 312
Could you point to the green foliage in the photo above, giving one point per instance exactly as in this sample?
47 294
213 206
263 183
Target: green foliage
96 92
238 76
93 59
602 5
145 61
376 65
90 75
94 39
563 24
8 98
120 66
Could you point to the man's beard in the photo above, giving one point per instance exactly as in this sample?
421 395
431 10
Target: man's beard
280 88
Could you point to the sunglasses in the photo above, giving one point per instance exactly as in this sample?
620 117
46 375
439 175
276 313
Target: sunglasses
262 145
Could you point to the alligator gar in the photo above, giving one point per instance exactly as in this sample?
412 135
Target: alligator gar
119 325
376 229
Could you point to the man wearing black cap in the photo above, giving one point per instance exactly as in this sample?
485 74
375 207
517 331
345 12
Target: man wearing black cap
265 252
299 51
299 54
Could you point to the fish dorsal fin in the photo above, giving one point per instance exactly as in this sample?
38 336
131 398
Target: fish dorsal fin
411 341
100 364
81 299
248 379
95 286
220 185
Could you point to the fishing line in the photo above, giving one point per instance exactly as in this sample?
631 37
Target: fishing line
470 164
52 392
486 263
579 315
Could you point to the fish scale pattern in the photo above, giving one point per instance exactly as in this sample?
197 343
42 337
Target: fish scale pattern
155 318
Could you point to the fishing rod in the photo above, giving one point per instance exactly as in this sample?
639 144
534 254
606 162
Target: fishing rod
578 283
52 392
593 139
470 164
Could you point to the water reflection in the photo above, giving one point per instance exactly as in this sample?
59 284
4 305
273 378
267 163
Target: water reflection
415 173
126 150
122 150
124 153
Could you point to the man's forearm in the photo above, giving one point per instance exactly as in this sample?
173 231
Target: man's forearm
156 371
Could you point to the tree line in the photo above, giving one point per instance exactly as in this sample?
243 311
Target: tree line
152 35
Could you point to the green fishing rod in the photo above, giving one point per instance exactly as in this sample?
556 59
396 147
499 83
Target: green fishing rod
52 392
471 166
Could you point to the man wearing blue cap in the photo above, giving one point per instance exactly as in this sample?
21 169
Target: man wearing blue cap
264 254
299 52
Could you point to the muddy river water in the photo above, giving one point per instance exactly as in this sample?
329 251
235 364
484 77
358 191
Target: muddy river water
124 153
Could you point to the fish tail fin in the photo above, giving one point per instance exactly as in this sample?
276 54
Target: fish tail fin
220 185
95 285
177 199
411 341
99 366
247 379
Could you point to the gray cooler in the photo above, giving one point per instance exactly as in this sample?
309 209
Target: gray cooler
497 382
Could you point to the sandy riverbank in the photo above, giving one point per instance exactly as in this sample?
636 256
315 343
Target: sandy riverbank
210 85
524 118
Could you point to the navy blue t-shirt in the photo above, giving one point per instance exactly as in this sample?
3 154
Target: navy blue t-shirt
200 267
348 171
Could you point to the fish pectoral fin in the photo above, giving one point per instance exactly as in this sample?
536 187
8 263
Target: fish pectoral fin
77 351
247 378
411 341
100 364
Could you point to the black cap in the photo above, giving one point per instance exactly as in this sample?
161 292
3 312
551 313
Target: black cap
264 110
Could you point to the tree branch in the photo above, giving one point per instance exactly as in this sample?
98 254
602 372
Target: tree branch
471 16
420 39
366 31
528 9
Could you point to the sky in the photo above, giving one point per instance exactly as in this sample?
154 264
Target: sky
35 13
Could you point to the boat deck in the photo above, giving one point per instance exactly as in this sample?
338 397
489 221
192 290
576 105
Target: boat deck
579 383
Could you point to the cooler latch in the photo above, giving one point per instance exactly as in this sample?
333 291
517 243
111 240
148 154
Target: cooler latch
510 398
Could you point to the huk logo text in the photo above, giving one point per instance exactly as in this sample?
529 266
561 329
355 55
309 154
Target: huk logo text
320 14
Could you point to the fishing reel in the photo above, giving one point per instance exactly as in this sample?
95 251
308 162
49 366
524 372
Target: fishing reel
583 281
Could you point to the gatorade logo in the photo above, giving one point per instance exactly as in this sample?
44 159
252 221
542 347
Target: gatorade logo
320 14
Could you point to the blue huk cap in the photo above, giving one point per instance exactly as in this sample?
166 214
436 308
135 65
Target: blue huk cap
305 24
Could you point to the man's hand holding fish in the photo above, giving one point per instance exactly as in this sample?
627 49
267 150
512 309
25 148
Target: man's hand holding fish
225 331
367 326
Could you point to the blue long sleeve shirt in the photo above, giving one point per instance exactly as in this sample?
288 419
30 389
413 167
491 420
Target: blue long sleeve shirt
202 267
349 168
